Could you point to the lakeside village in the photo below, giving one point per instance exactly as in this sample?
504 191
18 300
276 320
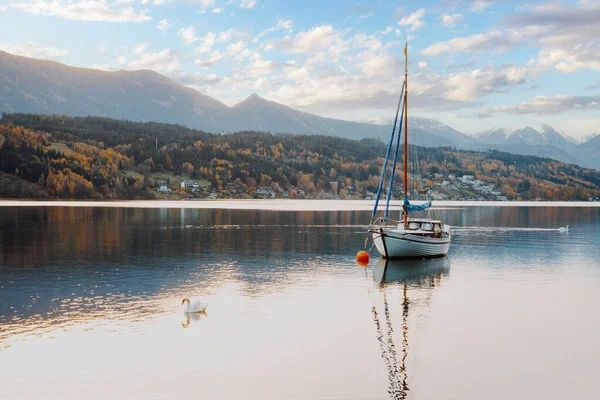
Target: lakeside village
437 187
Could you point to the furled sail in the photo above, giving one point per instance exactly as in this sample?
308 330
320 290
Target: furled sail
415 207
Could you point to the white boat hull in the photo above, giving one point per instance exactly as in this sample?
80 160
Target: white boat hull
395 244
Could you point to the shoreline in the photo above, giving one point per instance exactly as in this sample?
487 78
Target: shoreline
284 205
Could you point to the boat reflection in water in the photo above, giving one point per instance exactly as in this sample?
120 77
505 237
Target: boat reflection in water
391 274
418 272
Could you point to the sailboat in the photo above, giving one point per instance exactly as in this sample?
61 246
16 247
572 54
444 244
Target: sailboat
408 237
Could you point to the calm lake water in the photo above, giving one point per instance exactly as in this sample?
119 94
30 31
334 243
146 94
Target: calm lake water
90 306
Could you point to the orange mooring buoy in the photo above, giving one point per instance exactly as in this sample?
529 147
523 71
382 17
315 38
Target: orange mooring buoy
362 258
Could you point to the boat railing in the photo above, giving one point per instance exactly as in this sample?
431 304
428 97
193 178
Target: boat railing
382 222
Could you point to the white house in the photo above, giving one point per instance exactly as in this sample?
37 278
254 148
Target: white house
163 188
190 185
265 191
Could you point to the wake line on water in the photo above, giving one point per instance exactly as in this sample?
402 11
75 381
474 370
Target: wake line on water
501 228
237 226
453 228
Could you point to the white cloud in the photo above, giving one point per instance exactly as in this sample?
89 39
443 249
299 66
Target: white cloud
231 34
217 10
481 5
366 16
317 38
3 8
163 25
413 21
471 85
584 56
557 24
101 48
206 43
262 67
491 41
281 25
140 48
188 34
546 105
154 2
247 3
215 57
205 3
31 49
83 10
162 61
451 20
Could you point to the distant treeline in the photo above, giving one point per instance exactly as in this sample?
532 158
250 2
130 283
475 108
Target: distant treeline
88 157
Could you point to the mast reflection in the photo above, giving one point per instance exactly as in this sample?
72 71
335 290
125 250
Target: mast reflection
388 274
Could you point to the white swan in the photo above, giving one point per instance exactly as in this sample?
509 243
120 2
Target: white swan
193 306
563 229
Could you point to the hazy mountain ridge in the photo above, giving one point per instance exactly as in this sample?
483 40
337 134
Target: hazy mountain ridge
39 86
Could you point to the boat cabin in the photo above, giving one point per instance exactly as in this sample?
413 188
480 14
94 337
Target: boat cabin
424 227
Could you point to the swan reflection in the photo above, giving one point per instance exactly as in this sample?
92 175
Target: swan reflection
193 317
425 273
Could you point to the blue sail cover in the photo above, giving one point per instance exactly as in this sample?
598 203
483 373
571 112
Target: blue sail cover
414 207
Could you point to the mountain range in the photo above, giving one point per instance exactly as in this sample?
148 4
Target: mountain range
48 87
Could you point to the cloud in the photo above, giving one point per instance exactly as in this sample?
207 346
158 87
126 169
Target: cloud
495 41
460 67
207 41
281 25
154 2
366 16
593 87
546 105
217 10
162 61
451 20
101 47
83 10
31 49
481 5
247 3
140 48
262 67
556 24
317 38
163 25
231 34
583 56
568 35
414 20
188 34
215 57
204 4
471 85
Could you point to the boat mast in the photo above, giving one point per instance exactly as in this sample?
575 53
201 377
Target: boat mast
405 130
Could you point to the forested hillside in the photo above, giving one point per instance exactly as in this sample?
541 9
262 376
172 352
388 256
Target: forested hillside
62 157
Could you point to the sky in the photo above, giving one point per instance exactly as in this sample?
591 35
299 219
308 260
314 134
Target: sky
473 64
